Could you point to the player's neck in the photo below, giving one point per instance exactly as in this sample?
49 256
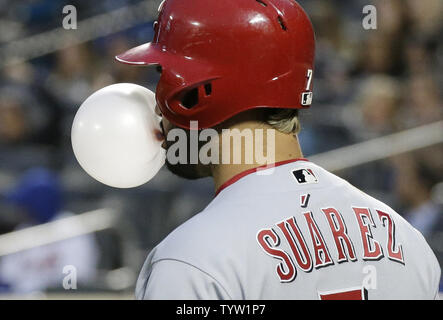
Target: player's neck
286 147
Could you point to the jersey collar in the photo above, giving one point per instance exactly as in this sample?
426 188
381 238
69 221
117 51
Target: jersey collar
252 170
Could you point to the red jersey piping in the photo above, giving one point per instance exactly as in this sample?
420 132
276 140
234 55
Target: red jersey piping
252 170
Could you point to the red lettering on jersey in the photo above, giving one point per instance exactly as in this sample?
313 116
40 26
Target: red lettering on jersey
303 257
318 242
263 237
365 221
393 254
339 232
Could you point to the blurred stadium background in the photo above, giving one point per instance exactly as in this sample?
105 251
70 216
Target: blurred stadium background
369 84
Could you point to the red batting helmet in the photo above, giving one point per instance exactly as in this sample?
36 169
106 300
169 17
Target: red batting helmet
220 58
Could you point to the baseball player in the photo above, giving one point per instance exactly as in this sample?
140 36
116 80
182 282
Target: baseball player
289 230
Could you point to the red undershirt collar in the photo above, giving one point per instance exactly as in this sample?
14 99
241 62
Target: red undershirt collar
252 170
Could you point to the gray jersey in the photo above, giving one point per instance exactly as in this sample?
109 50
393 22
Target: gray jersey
295 231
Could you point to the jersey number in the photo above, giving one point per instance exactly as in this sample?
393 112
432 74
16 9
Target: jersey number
306 97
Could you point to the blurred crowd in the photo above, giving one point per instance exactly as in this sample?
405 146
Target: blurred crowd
368 83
